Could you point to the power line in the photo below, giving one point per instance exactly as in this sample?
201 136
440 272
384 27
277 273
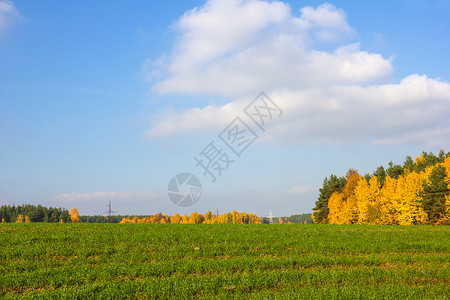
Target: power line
270 217
109 211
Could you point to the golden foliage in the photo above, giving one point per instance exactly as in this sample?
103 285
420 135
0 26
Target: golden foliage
343 207
398 201
74 215
335 206
20 219
367 195
195 218
420 159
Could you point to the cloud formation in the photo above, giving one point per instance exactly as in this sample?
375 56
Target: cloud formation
238 48
299 190
8 15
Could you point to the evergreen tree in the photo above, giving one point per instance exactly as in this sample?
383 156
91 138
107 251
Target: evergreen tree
380 173
394 171
334 184
409 164
434 195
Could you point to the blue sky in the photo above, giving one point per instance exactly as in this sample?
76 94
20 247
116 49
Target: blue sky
108 101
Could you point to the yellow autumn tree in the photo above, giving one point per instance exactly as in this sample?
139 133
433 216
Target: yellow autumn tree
125 220
208 216
367 194
386 204
27 219
74 215
350 207
196 218
407 206
234 217
3 220
20 219
343 207
411 196
335 204
175 219
185 219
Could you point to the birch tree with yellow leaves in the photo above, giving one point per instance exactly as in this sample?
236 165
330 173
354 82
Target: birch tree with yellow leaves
416 193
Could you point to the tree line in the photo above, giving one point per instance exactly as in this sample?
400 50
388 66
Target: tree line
417 192
39 213
28 213
234 217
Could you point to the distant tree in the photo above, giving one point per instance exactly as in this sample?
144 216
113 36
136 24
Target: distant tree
27 219
74 215
20 219
208 216
175 219
185 219
196 218
300 219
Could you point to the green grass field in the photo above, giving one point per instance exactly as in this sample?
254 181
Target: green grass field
160 261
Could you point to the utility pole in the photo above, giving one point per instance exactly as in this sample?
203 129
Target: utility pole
109 211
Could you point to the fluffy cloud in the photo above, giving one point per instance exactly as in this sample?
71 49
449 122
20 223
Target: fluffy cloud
8 15
327 22
238 48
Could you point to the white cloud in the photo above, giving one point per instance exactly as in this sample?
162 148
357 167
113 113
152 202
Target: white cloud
8 15
414 111
298 190
234 48
238 48
102 196
328 22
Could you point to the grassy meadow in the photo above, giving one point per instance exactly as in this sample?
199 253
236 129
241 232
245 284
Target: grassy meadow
182 261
